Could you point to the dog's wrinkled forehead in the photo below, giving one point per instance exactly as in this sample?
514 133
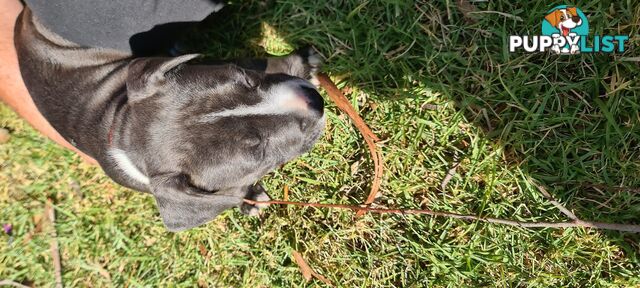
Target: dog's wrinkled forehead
277 99
230 91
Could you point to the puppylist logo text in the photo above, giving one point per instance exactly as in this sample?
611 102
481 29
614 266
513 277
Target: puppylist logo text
565 30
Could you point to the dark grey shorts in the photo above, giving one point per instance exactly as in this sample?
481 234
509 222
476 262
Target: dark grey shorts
137 26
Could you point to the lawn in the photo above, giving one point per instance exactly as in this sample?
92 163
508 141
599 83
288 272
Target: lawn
436 82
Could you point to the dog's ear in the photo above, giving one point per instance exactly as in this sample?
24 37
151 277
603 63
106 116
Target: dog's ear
183 206
572 11
145 76
553 18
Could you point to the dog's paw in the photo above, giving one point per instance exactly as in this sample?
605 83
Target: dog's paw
304 63
312 61
256 193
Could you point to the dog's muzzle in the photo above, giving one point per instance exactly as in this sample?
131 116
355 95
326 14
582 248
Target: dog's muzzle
312 98
297 94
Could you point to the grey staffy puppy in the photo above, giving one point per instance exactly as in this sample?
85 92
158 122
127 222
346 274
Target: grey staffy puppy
197 137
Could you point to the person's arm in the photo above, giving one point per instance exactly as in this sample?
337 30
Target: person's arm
12 89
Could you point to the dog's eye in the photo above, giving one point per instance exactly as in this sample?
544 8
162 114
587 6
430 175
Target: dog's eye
561 18
251 141
255 144
303 125
249 81
189 182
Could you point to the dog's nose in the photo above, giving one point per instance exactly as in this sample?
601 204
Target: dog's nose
575 19
312 98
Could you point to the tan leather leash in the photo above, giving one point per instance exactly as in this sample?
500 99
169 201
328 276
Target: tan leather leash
369 137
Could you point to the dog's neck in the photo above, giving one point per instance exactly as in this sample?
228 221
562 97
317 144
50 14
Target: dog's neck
115 136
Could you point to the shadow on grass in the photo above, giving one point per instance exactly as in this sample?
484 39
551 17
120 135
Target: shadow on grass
569 123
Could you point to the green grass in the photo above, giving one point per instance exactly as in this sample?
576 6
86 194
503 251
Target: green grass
439 89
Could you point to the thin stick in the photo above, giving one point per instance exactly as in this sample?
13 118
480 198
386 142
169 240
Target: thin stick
573 223
12 283
449 176
55 251
560 207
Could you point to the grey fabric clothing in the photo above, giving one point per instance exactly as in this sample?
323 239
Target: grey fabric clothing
112 23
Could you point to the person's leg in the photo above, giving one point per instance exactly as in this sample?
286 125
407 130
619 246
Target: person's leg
12 89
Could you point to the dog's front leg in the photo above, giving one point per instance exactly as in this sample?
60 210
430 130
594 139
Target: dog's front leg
257 193
304 63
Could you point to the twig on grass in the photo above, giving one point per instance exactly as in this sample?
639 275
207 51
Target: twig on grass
55 250
560 207
304 267
12 283
363 209
306 270
449 176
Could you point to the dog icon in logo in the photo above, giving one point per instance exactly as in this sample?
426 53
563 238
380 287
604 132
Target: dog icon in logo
565 20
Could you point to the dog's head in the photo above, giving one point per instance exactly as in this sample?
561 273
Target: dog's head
208 132
564 19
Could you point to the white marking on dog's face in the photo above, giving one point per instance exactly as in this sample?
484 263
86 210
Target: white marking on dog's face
127 167
280 99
